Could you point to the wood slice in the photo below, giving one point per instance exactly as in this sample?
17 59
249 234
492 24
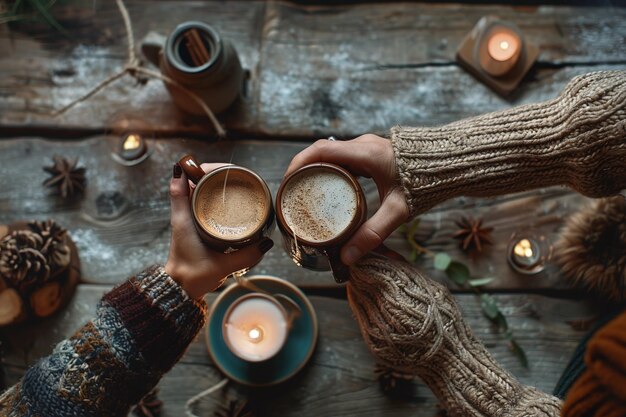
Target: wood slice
11 307
53 295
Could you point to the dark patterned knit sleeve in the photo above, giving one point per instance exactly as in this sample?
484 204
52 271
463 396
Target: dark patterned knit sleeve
140 331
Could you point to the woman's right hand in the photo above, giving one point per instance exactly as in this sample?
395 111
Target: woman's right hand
368 156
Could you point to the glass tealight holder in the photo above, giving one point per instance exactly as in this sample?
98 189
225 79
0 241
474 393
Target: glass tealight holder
529 251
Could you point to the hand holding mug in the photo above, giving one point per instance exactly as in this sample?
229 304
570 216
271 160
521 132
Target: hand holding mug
369 156
196 267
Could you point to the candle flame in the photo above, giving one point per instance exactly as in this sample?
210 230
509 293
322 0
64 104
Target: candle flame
504 45
255 334
132 141
523 248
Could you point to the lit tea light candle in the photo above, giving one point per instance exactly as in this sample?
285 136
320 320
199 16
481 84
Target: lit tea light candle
503 50
133 147
528 254
502 46
255 327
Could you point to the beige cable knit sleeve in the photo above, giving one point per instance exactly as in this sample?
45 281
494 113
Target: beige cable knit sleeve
413 324
577 139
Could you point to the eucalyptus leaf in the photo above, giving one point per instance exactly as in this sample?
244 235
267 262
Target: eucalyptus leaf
45 13
442 261
413 255
519 352
16 6
458 272
489 306
479 281
503 324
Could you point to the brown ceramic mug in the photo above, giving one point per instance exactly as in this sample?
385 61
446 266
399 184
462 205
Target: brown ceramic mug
231 205
318 208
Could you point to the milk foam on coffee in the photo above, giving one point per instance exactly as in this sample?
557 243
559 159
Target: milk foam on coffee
233 212
318 204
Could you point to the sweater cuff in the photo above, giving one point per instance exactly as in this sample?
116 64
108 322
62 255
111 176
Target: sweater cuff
159 315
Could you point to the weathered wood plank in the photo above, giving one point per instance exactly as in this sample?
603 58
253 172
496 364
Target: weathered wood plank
111 250
316 71
40 74
340 379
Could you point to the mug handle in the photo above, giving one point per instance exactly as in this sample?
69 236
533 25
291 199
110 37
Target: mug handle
341 272
192 169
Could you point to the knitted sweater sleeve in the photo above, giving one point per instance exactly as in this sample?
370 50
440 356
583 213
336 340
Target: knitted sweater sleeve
412 324
141 329
577 140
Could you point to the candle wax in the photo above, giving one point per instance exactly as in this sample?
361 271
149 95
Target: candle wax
256 329
503 46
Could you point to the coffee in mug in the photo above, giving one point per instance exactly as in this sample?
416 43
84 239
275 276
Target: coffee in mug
231 205
319 207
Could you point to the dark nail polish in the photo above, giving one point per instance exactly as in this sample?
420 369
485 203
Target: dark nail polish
266 245
178 171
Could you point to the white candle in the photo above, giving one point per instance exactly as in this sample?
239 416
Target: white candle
503 46
255 327
501 50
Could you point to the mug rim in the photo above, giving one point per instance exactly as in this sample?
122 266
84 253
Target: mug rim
238 301
354 223
264 186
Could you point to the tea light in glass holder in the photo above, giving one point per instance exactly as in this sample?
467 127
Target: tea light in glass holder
132 135
528 253
132 147
255 327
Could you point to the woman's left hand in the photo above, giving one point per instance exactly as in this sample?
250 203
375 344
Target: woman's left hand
196 267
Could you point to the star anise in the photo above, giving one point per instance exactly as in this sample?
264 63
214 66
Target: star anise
149 406
472 235
235 408
390 379
66 177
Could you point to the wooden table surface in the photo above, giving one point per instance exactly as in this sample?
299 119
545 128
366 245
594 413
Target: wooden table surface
314 71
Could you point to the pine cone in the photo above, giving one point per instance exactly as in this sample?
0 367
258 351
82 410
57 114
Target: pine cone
22 263
55 247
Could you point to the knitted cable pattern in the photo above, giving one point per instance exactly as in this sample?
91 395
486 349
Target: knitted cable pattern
577 139
412 324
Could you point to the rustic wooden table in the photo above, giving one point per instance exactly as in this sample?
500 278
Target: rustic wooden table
314 71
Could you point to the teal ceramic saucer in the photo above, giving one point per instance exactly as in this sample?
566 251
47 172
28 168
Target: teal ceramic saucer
288 361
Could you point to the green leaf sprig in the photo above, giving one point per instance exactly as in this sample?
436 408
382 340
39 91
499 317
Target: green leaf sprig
32 9
460 274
